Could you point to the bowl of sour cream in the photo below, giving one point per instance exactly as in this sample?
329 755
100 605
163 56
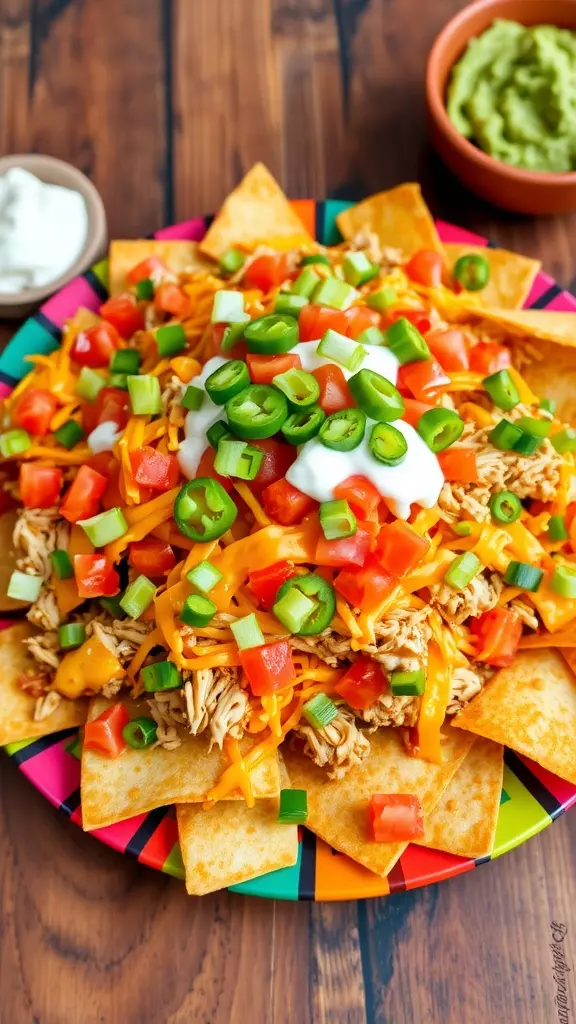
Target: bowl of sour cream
52 228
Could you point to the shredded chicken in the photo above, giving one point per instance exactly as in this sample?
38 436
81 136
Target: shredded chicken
121 638
34 682
164 707
211 699
112 687
46 705
402 639
38 532
45 612
466 684
526 613
339 745
44 649
172 396
384 255
390 710
455 606
329 646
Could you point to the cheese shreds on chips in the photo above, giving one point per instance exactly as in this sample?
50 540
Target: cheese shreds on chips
140 780
256 211
543 324
17 721
511 275
553 375
530 707
464 820
178 257
399 217
338 810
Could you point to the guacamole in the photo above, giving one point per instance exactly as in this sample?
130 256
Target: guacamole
513 93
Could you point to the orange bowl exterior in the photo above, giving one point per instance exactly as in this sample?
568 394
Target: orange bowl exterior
506 186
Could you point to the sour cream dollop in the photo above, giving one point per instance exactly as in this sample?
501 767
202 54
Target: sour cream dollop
198 422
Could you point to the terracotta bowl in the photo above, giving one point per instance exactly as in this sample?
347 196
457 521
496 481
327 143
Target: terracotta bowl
522 191
57 172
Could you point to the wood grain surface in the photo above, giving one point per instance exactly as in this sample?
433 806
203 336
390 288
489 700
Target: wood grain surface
165 105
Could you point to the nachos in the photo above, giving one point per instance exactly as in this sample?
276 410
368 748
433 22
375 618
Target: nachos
279 499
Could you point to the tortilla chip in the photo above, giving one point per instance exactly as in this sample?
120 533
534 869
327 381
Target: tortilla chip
17 720
180 257
553 375
511 275
465 818
399 217
530 707
338 810
255 211
8 561
231 842
544 324
139 780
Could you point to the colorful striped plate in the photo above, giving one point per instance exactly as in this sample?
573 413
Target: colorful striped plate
531 797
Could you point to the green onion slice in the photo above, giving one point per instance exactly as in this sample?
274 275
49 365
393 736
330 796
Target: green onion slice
376 396
408 684
342 350
358 269
69 434
140 732
299 386
440 428
320 711
305 283
145 395
293 807
72 634
231 262
405 342
247 632
62 565
563 581
105 527
193 398
462 570
334 293
204 576
138 596
228 308
505 507
557 529
198 610
337 519
170 340
89 384
125 360
162 675
520 574
23 587
237 458
502 390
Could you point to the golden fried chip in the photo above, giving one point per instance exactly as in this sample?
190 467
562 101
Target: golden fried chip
255 211
180 257
465 818
530 707
8 561
540 324
511 275
17 718
399 217
338 810
553 375
139 780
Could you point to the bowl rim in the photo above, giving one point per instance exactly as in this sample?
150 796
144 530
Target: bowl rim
71 177
467 149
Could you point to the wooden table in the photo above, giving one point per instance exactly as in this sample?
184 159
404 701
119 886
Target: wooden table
165 105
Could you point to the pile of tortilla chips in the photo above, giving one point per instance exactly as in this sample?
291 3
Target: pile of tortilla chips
530 707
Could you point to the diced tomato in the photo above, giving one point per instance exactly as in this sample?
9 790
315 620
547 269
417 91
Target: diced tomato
95 576
268 668
278 457
267 272
450 349
417 317
123 313
488 357
414 411
334 392
265 583
499 632
238 351
34 411
153 469
365 587
425 267
424 379
263 369
286 504
359 319
83 496
113 497
362 684
346 551
360 494
111 406
206 468
570 513
396 817
104 734
152 266
314 321
151 557
39 486
170 298
96 345
399 548
459 465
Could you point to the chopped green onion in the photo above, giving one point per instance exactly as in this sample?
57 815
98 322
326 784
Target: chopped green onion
228 308
198 610
293 305
440 428
145 289
299 386
227 381
271 334
305 283
231 261
505 507
376 396
530 425
216 432
162 675
72 634
105 527
320 711
315 258
502 390
342 350
337 519
145 395
563 581
112 605
138 597
344 430
405 342
382 299
293 609
358 269
371 336
23 587
387 444
193 398
334 293
125 360
565 441
247 632
293 807
408 684
119 380
89 384
520 574
62 565
140 732
170 340
527 443
463 529
204 576
472 272
557 529
303 425
14 441
237 458
548 404
505 435
462 570
232 334
69 434
75 747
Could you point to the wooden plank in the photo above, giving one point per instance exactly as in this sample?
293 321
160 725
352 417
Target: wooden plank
14 75
292 952
336 970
